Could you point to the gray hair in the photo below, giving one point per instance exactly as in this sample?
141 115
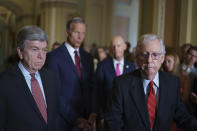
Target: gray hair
30 33
74 20
144 39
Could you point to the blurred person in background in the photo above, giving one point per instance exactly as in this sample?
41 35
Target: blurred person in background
55 45
184 49
109 68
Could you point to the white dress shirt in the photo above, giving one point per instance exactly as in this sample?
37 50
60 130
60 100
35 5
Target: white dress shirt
155 87
71 51
121 65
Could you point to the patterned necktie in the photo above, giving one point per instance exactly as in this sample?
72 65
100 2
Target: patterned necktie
117 69
38 96
77 63
151 104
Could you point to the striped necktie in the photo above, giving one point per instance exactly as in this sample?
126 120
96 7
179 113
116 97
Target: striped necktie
38 96
151 104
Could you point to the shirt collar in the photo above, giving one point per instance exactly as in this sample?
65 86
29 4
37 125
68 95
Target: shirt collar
155 80
70 48
24 71
116 61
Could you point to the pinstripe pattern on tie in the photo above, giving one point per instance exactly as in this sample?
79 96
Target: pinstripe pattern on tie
38 96
151 104
77 63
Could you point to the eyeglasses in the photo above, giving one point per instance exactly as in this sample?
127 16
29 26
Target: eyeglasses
192 55
154 56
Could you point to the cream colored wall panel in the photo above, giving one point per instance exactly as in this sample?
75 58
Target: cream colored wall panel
94 27
194 23
131 12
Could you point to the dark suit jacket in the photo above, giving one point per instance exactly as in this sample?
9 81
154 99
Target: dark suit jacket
105 74
75 93
18 110
128 111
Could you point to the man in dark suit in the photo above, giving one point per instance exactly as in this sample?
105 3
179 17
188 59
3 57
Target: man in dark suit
147 99
74 69
110 68
28 96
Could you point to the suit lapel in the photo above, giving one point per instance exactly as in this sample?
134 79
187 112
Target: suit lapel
126 67
68 60
83 63
21 83
46 87
137 93
163 92
111 67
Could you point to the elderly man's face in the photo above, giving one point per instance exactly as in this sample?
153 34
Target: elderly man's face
118 47
150 58
34 55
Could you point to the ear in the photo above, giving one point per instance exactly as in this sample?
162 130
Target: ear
162 59
124 46
20 53
67 33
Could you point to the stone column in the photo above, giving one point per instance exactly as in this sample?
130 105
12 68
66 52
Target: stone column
54 15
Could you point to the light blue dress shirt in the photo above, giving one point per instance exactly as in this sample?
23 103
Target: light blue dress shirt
27 76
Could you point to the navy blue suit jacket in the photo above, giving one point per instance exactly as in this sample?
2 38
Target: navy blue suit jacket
105 74
127 110
18 109
75 92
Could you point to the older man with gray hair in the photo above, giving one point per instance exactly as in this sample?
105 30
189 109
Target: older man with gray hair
147 99
28 96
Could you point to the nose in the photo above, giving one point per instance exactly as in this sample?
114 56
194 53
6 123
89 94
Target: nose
41 54
80 35
149 59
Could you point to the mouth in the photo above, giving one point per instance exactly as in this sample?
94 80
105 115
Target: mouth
39 63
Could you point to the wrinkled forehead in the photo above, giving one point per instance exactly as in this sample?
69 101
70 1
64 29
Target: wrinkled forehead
117 41
151 46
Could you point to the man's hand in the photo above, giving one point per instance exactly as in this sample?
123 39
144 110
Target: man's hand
92 118
82 124
92 121
194 97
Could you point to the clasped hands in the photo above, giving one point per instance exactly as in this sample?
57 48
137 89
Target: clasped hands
87 125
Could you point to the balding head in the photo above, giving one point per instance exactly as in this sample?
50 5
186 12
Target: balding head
118 47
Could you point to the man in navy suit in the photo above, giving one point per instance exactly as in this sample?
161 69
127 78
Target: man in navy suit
28 96
110 68
74 69
147 99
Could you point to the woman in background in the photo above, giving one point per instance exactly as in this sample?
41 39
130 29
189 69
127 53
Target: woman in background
171 65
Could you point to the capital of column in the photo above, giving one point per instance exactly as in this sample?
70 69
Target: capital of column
59 3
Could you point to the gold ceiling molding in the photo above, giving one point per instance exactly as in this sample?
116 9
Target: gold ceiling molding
65 4
12 6
25 16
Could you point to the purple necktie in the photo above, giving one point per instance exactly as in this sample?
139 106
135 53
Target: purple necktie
151 104
38 96
77 63
117 69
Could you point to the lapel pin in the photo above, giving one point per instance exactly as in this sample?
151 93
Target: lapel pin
127 66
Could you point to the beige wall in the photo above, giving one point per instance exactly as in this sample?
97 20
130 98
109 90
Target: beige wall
173 20
171 34
194 23
146 16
